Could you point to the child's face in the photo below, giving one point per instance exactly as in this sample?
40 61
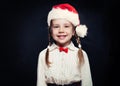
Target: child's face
62 31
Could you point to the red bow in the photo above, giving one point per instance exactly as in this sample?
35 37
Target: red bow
63 49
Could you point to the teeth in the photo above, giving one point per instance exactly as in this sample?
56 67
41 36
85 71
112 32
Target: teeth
61 37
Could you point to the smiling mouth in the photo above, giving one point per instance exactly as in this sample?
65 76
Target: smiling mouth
62 36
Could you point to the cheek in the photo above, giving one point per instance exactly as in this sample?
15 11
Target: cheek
53 33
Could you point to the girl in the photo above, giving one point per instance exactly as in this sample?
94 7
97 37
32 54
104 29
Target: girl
62 63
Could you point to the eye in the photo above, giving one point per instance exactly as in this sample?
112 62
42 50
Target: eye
67 26
55 26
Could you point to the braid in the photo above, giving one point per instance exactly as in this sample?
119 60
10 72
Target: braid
47 52
80 53
47 57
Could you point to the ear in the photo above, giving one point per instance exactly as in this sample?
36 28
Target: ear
73 31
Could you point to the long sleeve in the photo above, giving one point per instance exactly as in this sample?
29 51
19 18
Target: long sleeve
86 72
41 72
61 69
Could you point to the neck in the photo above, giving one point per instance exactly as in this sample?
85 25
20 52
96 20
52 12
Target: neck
63 45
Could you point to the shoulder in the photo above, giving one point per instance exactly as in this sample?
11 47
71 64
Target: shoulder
42 53
84 52
85 55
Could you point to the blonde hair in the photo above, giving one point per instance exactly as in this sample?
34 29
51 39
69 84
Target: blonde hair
80 53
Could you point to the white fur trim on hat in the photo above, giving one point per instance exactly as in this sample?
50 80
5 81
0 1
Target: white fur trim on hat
81 30
63 14
68 12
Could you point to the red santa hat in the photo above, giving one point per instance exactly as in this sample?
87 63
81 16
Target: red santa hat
68 12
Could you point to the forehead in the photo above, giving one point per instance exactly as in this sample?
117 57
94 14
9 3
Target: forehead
60 21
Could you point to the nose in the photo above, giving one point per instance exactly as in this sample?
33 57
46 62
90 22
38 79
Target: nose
61 29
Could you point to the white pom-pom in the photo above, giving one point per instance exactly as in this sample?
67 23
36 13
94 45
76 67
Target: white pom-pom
81 30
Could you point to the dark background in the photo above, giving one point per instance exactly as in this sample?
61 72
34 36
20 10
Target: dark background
24 35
